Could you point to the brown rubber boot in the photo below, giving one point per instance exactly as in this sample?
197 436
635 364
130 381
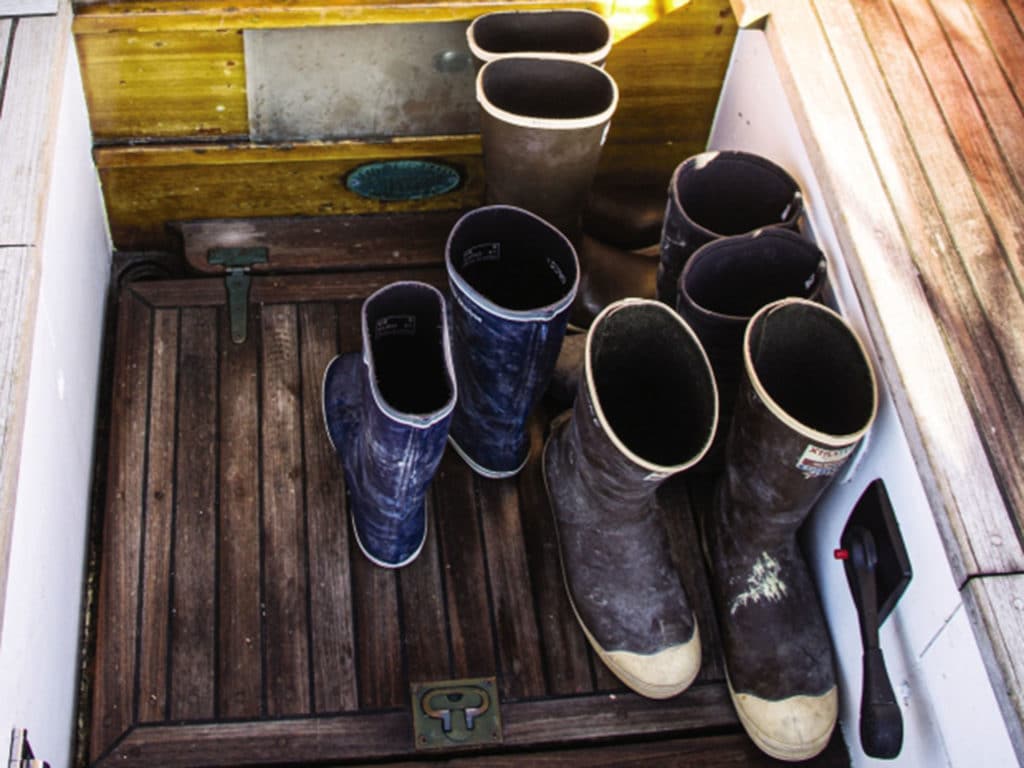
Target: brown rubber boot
808 397
646 409
542 126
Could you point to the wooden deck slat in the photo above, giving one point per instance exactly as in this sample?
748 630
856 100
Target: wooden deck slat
159 510
192 676
550 722
332 646
1006 40
240 636
118 591
285 627
466 581
995 99
564 648
522 673
425 641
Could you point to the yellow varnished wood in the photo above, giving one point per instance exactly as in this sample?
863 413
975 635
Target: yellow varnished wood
147 187
165 84
132 16
669 75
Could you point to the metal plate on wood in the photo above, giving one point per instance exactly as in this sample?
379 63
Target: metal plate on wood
360 81
456 713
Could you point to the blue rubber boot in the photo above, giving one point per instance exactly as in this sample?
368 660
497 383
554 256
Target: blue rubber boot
513 278
387 414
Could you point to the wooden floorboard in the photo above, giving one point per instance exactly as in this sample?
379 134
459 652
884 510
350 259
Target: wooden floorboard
239 623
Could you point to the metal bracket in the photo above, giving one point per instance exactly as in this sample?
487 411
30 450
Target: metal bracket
21 753
237 262
456 713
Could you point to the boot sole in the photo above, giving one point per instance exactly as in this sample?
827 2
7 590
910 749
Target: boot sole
778 749
643 687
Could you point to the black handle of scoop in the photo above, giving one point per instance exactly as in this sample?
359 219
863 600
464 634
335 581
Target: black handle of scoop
881 722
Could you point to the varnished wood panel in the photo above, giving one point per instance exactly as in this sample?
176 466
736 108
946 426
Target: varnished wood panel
146 187
296 244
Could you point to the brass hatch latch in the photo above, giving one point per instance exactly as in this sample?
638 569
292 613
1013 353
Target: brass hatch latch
456 713
236 262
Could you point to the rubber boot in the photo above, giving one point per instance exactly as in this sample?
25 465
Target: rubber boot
646 409
542 125
566 33
808 396
513 277
724 283
717 194
387 414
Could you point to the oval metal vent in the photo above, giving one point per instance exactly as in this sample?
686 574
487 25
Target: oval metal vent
394 180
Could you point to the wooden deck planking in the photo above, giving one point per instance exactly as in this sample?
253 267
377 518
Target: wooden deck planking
1006 39
971 287
285 563
332 644
192 674
119 588
154 624
280 640
511 593
240 632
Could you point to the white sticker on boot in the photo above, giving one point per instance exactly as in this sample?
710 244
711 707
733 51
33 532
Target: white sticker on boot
763 584
816 461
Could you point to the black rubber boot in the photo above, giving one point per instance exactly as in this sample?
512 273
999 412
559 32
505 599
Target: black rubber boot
809 395
646 409
718 194
568 33
724 283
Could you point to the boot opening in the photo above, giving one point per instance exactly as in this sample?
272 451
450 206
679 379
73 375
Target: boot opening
553 89
548 31
653 384
407 347
810 363
513 258
735 192
738 276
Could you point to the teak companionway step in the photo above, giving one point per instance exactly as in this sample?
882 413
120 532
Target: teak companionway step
237 621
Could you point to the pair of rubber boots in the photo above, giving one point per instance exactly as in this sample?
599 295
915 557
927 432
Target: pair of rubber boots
467 371
646 409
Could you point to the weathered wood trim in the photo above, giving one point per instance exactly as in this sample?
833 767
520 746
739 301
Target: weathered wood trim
997 603
382 735
969 508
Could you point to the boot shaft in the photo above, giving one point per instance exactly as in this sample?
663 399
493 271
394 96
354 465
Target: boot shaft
808 396
513 277
719 194
728 280
646 407
542 125
570 33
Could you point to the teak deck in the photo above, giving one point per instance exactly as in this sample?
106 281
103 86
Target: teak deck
237 620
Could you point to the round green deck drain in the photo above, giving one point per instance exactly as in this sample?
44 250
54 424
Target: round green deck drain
393 180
